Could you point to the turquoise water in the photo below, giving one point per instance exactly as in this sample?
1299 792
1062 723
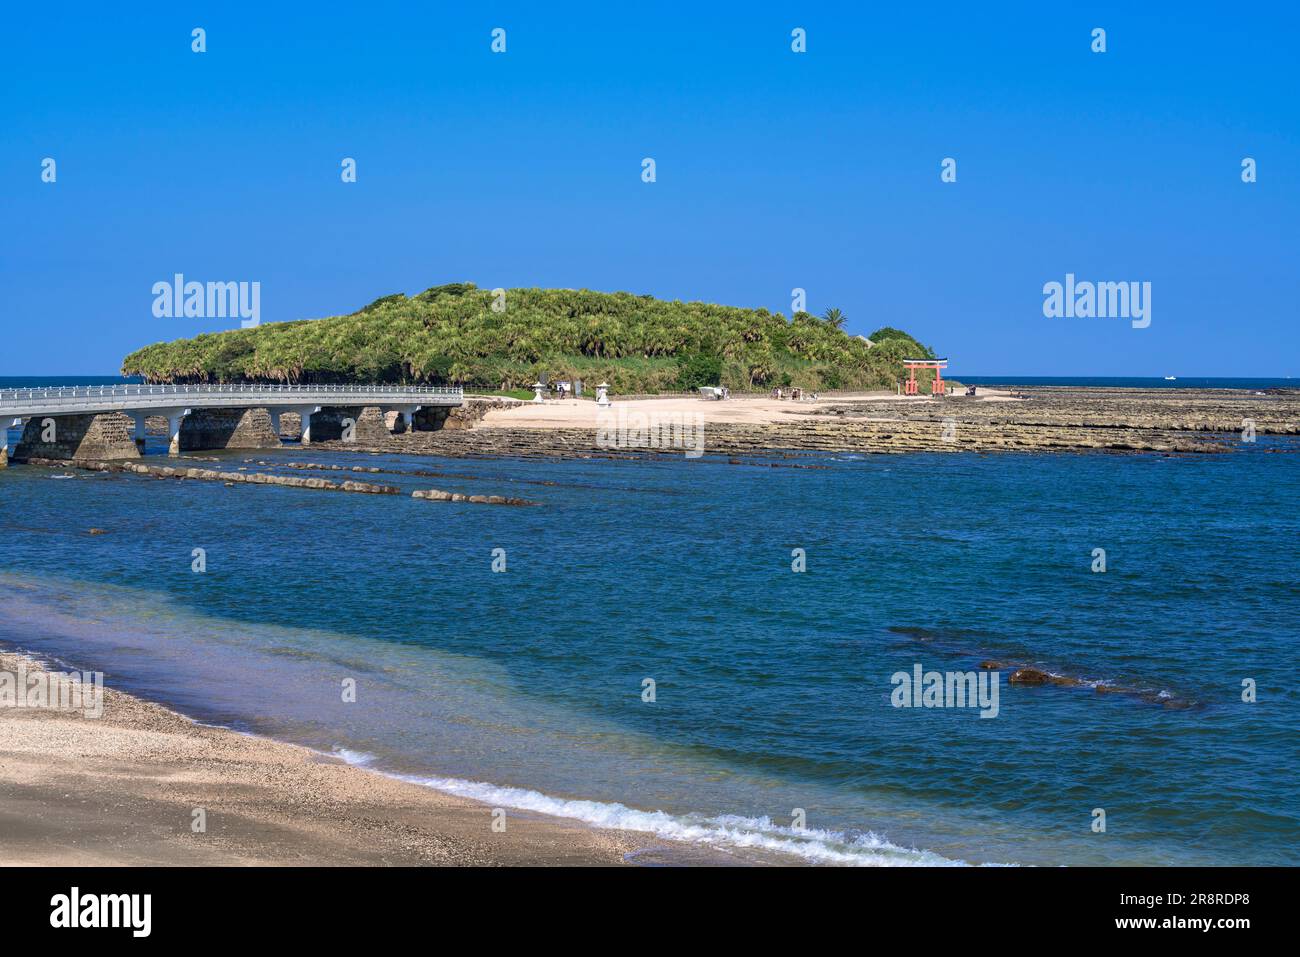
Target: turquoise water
773 688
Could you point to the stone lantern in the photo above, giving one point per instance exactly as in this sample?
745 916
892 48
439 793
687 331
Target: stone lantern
602 394
538 388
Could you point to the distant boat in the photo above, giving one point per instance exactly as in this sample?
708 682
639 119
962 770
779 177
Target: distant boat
1171 378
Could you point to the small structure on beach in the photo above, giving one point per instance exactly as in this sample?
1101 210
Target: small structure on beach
912 387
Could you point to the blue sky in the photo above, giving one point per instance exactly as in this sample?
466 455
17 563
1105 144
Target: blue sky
775 170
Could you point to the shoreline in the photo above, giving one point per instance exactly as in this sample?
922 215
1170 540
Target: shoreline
1029 420
122 789
1035 419
452 830
648 830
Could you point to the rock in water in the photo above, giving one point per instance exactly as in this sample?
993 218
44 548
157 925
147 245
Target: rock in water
1029 676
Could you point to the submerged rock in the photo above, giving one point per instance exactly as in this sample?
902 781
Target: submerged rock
1035 676
438 495
1028 676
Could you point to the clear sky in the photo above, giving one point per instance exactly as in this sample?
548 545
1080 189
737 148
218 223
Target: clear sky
775 170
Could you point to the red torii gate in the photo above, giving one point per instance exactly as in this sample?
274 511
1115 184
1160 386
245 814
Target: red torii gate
938 387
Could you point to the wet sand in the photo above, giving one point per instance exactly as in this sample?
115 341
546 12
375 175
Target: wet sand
122 789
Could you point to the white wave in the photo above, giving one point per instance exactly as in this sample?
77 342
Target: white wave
358 758
725 831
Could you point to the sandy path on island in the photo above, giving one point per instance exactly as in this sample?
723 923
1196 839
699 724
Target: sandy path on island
739 409
121 790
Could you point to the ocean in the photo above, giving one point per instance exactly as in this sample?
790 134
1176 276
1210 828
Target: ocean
1135 382
527 687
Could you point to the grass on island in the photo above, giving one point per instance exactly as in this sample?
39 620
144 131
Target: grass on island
459 334
503 393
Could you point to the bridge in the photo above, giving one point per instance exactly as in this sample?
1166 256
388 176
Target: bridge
60 422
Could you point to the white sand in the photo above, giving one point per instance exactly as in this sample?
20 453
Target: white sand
742 409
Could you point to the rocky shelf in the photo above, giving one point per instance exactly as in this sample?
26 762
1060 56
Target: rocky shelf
262 478
1047 419
213 475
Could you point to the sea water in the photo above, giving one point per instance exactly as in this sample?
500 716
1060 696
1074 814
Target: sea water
771 730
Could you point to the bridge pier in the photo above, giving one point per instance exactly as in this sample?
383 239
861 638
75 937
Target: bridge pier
406 416
305 412
105 435
174 423
4 440
330 424
175 418
140 430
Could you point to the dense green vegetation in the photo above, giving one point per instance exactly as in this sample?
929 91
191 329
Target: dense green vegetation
892 346
452 334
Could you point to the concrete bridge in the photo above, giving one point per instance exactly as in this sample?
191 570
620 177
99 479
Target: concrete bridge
109 421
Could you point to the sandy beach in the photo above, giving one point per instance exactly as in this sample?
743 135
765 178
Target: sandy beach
122 790
739 409
1029 419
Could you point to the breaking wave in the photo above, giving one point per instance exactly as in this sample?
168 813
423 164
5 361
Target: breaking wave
726 831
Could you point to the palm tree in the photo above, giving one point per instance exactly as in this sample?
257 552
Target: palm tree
445 336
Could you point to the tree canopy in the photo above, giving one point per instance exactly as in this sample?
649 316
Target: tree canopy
460 334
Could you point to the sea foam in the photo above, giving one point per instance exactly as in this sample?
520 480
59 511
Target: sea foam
726 831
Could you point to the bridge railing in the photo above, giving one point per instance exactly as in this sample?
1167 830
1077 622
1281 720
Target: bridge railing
16 397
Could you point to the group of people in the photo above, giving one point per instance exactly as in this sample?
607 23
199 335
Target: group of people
796 394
